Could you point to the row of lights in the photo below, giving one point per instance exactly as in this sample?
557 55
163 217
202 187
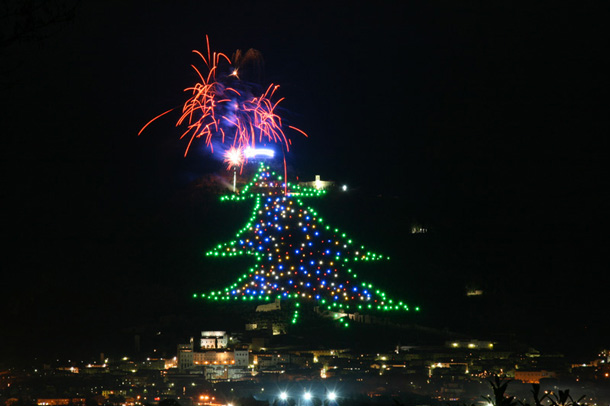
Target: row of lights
307 396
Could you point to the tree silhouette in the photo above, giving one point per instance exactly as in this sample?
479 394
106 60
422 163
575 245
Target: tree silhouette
563 398
499 398
536 396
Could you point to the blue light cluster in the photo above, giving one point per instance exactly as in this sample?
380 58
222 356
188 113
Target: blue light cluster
305 259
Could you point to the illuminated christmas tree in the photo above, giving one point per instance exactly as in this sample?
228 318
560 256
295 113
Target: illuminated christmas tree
298 256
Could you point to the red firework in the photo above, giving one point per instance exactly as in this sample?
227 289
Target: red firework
220 109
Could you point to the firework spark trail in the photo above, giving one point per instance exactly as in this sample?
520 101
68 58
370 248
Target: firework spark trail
218 111
160 115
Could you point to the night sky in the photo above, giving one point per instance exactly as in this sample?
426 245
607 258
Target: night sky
486 124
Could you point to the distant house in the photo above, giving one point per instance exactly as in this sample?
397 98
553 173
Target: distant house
318 183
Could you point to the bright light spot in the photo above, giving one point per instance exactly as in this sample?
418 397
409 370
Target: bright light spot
307 396
255 152
233 157
283 396
344 188
332 396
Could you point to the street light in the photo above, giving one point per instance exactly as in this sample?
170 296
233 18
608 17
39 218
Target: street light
307 396
283 396
332 396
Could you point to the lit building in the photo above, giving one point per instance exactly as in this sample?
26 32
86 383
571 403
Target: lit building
533 376
268 360
214 358
214 339
188 359
185 356
318 183
242 356
470 344
60 401
224 372
269 307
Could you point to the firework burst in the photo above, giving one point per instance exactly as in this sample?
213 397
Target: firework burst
234 158
223 109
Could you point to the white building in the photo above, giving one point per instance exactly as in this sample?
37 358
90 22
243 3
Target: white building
269 307
318 183
214 339
224 372
242 357
213 358
185 356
